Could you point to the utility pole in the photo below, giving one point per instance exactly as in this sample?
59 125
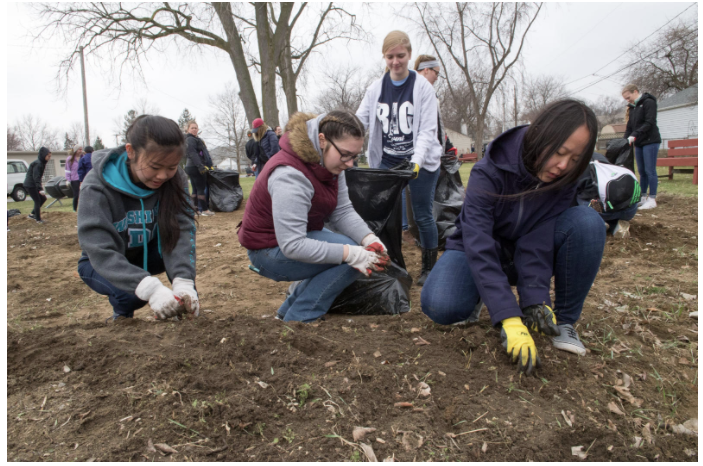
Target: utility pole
85 100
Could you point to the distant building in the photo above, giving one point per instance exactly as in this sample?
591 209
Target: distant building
613 129
461 141
225 157
677 116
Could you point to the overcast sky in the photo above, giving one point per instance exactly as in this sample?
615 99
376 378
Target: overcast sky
572 40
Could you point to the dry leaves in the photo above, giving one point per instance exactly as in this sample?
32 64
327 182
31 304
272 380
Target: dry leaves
570 418
360 432
164 448
423 390
377 354
414 330
403 404
368 451
689 427
419 341
578 451
647 433
411 440
614 409
331 363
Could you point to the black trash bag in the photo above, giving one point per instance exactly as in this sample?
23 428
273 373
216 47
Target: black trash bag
375 195
13 212
448 200
620 152
383 293
226 194
58 188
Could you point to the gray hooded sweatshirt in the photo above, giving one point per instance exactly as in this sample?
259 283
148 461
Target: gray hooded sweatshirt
116 221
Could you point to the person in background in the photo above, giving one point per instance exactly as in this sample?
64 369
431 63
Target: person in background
252 150
517 227
72 175
624 195
136 222
642 131
268 143
279 132
400 112
33 183
86 163
300 190
197 166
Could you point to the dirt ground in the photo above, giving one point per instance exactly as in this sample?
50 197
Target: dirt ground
237 385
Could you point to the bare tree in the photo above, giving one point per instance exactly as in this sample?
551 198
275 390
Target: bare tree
345 89
608 110
75 134
228 122
540 91
35 133
13 141
128 31
669 63
483 40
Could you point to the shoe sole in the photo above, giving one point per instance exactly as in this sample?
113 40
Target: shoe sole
568 347
623 233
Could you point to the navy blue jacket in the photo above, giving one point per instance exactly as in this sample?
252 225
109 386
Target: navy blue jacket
197 153
508 236
85 165
269 146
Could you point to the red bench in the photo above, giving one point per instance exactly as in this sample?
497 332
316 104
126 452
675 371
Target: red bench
472 157
681 153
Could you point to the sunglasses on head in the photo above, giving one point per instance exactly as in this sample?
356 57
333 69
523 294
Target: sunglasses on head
345 156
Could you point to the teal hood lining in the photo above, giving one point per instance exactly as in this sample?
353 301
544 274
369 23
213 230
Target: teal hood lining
116 174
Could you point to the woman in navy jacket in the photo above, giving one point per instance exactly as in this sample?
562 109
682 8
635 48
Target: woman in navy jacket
517 227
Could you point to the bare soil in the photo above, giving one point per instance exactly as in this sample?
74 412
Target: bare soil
237 385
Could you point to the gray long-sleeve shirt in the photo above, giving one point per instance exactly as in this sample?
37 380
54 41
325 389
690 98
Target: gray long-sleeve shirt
291 198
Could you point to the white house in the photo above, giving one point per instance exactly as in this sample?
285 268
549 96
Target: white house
677 116
462 142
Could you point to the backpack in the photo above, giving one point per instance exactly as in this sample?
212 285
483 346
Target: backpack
618 187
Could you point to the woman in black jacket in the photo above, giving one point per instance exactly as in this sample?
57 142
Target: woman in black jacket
33 183
642 130
197 164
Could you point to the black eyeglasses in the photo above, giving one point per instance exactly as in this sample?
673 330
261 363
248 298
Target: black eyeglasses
345 156
437 72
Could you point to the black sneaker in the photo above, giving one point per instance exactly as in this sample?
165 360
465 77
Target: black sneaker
31 216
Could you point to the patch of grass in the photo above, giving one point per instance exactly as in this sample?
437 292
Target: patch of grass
289 435
26 207
656 290
302 393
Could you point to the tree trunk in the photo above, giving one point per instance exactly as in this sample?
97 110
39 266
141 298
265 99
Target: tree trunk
479 135
289 80
236 54
268 65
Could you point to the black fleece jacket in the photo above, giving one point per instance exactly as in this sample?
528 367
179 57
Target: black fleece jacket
35 172
642 123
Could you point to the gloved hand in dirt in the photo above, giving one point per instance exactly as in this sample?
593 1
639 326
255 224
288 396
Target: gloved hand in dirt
184 290
363 260
540 318
372 243
161 299
519 344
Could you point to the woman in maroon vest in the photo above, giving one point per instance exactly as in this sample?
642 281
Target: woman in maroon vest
300 190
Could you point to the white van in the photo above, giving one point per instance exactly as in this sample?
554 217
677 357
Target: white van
16 172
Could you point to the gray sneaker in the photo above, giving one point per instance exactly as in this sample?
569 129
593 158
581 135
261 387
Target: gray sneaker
622 229
569 340
473 318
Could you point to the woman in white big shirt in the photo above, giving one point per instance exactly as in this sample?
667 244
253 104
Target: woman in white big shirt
400 112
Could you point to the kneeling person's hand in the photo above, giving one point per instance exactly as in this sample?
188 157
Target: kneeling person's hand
540 318
184 289
161 299
363 260
519 344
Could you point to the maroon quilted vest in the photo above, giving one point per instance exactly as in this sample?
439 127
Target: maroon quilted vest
257 230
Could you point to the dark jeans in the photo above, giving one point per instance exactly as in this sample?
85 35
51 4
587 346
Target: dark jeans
450 294
76 188
422 200
39 200
198 182
123 303
321 283
611 218
646 157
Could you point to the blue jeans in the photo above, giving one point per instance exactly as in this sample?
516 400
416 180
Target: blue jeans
646 157
611 218
422 200
123 303
450 294
321 283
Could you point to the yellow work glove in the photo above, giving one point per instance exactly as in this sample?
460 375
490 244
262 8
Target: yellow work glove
540 318
416 170
519 345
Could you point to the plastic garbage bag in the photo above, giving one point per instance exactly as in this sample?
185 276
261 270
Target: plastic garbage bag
383 293
620 152
13 212
226 194
448 200
58 188
375 195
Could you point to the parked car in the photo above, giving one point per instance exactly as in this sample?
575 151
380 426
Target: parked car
16 172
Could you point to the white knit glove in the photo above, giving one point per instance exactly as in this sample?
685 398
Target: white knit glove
370 239
182 288
160 298
361 259
631 139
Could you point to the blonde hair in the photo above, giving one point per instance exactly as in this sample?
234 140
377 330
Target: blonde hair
73 151
422 58
394 39
630 88
191 122
260 131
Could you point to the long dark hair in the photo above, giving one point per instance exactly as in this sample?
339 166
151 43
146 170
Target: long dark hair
340 123
550 130
154 137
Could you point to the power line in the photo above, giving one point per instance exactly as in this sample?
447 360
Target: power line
628 50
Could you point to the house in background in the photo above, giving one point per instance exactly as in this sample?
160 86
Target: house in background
225 157
461 141
677 116
608 133
56 165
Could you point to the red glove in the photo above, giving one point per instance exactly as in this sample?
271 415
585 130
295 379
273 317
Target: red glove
383 260
453 151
